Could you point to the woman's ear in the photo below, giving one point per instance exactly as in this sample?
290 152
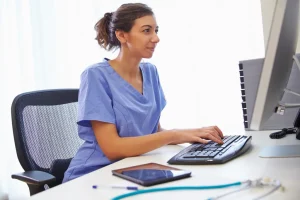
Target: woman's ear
121 36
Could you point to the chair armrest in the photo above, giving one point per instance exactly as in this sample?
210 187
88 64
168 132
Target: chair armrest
35 177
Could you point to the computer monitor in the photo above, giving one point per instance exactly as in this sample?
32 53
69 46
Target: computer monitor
278 62
277 67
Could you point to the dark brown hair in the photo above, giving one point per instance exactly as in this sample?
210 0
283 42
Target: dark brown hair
122 19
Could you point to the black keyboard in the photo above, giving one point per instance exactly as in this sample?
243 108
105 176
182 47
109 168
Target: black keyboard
213 153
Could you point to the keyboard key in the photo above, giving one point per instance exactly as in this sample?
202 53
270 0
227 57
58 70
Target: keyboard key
228 142
213 154
225 149
201 154
208 152
190 155
211 149
196 146
216 145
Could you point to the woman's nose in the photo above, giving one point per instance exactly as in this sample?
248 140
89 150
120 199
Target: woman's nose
155 38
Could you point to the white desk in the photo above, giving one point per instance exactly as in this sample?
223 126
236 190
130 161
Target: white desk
247 166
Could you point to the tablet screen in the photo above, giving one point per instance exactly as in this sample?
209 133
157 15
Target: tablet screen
151 174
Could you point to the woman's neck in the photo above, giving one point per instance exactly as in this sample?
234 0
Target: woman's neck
126 64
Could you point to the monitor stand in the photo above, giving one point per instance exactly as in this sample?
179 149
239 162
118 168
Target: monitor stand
284 151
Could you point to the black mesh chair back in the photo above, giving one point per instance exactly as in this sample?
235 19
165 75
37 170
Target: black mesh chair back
45 130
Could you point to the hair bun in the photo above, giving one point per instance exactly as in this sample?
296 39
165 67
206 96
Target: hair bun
108 15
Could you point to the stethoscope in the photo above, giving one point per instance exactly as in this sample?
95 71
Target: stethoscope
258 183
261 182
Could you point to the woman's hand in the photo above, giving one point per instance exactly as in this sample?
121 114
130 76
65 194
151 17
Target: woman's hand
202 135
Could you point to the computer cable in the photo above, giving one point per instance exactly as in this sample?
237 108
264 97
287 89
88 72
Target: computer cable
284 132
292 105
291 92
297 61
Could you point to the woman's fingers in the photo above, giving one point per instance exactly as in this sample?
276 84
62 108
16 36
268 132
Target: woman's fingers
219 131
201 140
203 135
214 133
216 139
211 135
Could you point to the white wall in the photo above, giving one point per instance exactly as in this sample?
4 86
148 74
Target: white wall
201 45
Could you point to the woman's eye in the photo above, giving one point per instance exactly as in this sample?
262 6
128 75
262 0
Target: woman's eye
146 30
156 31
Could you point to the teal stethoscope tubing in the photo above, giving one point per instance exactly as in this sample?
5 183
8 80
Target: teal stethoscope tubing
175 188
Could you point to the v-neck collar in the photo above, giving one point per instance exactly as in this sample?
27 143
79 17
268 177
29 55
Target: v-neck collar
126 83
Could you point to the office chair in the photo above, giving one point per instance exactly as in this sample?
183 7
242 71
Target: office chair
45 135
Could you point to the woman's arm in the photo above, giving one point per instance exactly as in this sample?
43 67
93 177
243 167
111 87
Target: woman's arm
162 129
115 147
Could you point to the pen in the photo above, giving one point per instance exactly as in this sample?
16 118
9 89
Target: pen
117 187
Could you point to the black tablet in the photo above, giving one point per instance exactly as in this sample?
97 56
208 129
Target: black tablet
151 174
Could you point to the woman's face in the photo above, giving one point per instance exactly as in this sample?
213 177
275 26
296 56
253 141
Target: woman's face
142 38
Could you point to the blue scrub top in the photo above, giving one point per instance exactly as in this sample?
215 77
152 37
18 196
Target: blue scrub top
105 96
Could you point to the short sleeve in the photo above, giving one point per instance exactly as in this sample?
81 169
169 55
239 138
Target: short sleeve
161 94
94 101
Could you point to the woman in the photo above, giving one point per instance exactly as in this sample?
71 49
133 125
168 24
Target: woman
120 100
